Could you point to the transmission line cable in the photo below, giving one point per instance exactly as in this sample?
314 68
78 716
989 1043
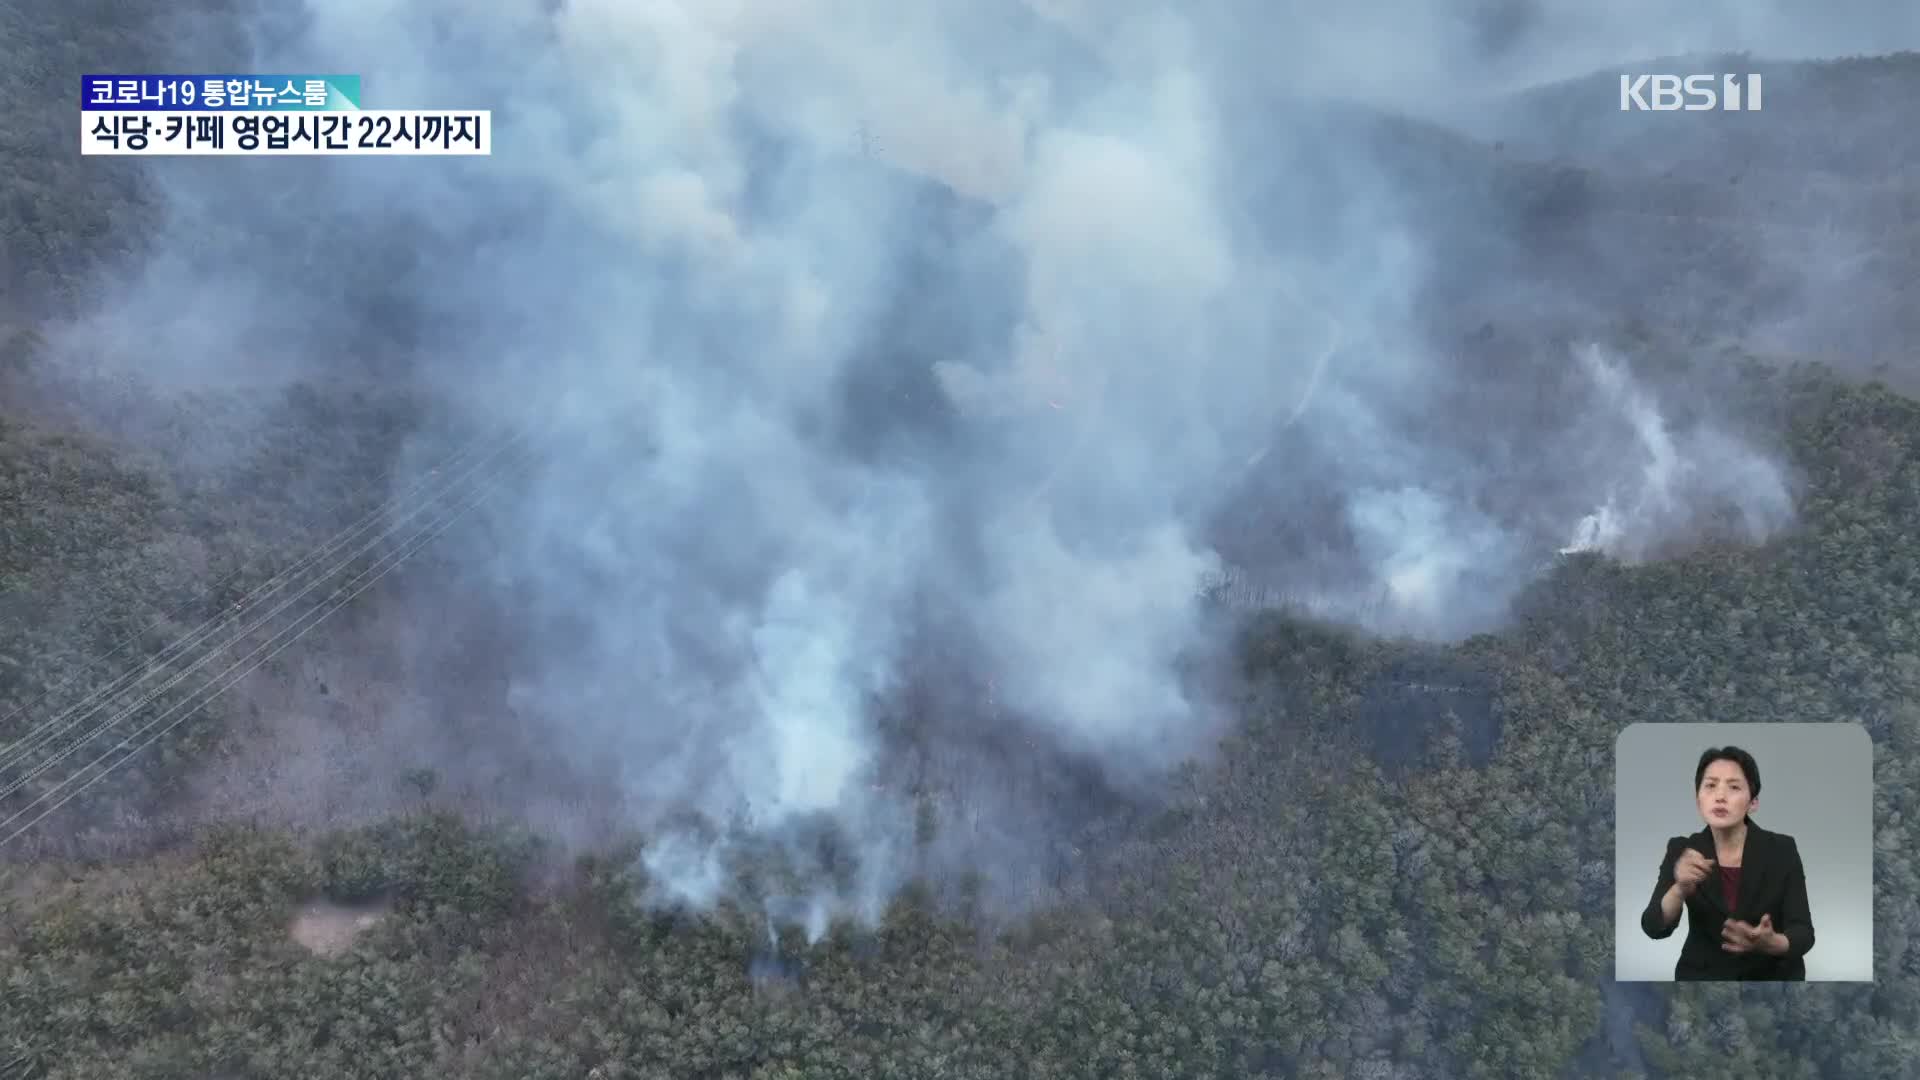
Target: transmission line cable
30 740
252 661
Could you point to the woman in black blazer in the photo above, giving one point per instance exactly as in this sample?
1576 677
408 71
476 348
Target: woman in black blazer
1743 887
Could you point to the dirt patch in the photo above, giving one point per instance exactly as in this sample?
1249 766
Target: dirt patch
329 929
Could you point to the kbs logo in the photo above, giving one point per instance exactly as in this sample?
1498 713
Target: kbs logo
1693 93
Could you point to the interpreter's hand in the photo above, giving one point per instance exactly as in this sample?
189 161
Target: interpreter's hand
1743 937
1690 870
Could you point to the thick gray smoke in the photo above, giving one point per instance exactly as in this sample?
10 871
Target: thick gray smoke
858 340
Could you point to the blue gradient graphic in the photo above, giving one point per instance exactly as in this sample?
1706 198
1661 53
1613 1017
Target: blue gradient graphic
220 93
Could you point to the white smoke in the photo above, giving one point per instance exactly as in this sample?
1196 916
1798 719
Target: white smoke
846 326
1667 481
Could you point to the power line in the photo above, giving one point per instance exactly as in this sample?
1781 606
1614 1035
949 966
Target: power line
93 702
256 624
27 742
178 610
252 661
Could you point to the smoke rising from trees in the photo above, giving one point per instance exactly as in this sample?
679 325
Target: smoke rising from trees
863 340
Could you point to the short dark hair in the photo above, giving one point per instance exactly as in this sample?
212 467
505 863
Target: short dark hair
1736 755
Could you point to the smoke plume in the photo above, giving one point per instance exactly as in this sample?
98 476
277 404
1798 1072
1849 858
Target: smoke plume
865 346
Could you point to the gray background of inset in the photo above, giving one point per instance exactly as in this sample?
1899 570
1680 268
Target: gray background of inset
1816 785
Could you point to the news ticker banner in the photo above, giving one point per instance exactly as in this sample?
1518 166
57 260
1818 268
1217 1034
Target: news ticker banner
220 93
264 114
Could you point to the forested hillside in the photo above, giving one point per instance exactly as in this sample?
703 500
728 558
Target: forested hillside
1307 912
1795 225
1399 867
